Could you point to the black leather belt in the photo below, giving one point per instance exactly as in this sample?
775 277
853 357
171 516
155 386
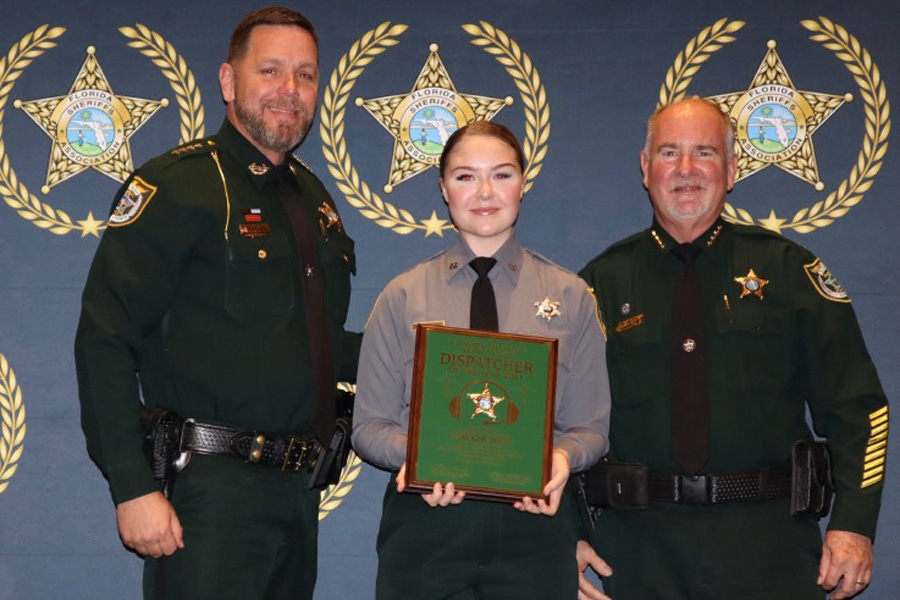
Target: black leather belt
288 452
748 486
610 484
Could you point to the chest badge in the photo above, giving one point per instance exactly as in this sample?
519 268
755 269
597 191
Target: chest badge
332 219
485 403
751 283
547 308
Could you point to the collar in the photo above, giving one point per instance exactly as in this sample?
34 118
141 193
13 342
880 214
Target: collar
710 240
258 168
510 258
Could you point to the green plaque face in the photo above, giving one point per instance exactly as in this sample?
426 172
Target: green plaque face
481 414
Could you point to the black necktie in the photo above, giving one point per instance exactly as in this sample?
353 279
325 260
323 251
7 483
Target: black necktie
690 383
483 308
313 285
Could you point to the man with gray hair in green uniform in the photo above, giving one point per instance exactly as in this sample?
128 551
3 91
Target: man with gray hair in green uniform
219 291
719 337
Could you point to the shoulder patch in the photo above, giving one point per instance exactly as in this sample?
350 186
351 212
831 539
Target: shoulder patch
132 203
824 282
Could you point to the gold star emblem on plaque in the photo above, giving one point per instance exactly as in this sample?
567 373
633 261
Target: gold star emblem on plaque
751 283
90 126
421 120
775 121
485 403
547 308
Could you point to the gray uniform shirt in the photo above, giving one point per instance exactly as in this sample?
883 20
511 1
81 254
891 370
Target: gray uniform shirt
439 290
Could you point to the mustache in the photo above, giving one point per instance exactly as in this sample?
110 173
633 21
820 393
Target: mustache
682 183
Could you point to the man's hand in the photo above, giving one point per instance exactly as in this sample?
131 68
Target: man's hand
439 496
846 565
559 475
585 556
148 524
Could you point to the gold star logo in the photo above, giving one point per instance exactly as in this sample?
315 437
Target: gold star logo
547 308
90 127
485 402
751 283
421 120
775 121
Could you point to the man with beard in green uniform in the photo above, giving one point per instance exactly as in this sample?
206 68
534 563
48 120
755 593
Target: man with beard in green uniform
719 336
220 291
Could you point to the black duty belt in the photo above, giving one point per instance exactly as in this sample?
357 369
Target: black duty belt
288 452
748 486
612 484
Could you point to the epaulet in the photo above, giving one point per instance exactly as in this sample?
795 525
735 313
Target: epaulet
624 243
296 161
179 153
541 258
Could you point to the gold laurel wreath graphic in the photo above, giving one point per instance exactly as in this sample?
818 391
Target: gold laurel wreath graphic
173 68
33 45
858 61
334 147
12 430
333 495
697 52
532 91
351 66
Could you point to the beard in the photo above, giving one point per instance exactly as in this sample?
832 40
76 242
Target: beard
282 137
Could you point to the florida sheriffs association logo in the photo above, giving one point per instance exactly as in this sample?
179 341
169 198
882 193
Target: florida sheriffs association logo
775 120
90 126
12 417
421 120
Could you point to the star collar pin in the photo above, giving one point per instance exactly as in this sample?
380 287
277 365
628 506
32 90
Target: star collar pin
547 308
751 283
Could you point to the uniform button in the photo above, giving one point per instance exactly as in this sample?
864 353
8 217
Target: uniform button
689 345
262 254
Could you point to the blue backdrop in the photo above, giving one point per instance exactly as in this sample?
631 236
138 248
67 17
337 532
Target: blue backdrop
574 79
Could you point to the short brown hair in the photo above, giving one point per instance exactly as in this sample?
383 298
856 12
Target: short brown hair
488 129
272 15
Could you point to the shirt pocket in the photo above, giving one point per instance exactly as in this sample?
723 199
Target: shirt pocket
754 353
260 283
637 358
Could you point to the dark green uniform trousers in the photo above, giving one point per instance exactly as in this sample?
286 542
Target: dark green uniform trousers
250 533
741 551
481 550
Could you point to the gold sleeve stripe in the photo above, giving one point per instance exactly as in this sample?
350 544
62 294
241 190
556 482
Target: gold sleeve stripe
873 463
881 412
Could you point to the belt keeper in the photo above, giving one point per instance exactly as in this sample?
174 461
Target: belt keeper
256 448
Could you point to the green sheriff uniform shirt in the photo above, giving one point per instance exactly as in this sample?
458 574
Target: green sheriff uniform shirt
781 336
194 302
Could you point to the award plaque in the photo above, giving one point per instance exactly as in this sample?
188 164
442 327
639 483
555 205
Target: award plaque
481 413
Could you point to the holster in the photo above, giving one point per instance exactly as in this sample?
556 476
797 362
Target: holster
811 485
162 440
617 485
333 458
